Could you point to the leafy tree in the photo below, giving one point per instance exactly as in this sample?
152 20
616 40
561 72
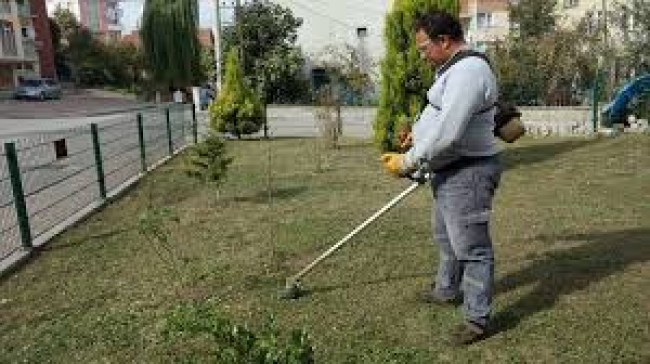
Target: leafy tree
170 43
405 77
532 18
67 38
237 109
347 70
207 63
66 22
55 32
124 64
632 20
562 62
91 62
271 60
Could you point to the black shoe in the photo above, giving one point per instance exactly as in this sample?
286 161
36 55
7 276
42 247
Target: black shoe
432 298
468 333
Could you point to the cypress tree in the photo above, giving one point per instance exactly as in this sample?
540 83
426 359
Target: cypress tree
405 76
170 43
238 109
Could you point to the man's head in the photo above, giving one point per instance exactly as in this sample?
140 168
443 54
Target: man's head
438 35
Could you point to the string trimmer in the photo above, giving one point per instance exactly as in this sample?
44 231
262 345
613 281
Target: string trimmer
293 290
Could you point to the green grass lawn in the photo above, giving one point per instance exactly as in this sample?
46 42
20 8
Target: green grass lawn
571 228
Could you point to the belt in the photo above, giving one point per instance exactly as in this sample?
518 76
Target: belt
466 161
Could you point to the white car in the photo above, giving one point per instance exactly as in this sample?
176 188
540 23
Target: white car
38 89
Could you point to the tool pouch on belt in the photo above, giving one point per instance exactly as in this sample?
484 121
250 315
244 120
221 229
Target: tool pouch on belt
507 122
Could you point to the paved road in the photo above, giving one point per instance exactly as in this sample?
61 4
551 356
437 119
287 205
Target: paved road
74 103
73 110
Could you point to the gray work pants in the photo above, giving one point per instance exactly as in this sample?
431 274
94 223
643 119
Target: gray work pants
463 194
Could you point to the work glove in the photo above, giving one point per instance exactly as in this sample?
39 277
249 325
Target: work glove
405 138
394 164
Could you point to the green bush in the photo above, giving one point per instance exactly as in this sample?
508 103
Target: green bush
237 110
198 331
208 161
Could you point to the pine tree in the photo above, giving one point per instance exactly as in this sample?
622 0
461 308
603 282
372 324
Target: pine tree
208 160
405 77
238 109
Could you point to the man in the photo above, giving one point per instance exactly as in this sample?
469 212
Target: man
453 138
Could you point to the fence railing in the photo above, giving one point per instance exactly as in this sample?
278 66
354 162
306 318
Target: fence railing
49 181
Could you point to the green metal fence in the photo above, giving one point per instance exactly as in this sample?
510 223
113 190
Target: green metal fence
49 181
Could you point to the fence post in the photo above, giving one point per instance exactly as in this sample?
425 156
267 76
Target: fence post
182 122
594 104
98 161
169 132
195 132
266 121
143 155
19 195
339 120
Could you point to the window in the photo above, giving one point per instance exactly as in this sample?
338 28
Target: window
484 20
60 149
362 32
25 32
8 38
319 78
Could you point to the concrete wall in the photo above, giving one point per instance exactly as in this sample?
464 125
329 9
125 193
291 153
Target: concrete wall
303 121
294 121
550 120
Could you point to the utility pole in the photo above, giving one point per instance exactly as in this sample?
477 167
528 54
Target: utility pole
240 33
217 45
610 61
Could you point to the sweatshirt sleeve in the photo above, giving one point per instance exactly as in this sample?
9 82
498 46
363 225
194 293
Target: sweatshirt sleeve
463 95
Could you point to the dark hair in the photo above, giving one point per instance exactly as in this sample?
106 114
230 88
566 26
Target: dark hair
437 23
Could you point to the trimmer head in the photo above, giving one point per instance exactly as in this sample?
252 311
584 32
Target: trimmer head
292 290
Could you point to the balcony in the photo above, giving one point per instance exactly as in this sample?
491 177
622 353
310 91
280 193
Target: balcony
8 47
29 49
23 11
5 7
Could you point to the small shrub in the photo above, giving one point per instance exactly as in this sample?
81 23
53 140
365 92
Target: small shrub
202 331
208 161
328 117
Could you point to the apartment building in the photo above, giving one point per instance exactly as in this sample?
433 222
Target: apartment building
43 38
101 17
484 21
19 50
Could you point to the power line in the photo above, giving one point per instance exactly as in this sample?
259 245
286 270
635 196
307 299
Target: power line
374 10
311 10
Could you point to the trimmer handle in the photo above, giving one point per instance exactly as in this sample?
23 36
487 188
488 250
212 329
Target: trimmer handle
418 176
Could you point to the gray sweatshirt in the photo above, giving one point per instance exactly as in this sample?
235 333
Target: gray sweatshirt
455 123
